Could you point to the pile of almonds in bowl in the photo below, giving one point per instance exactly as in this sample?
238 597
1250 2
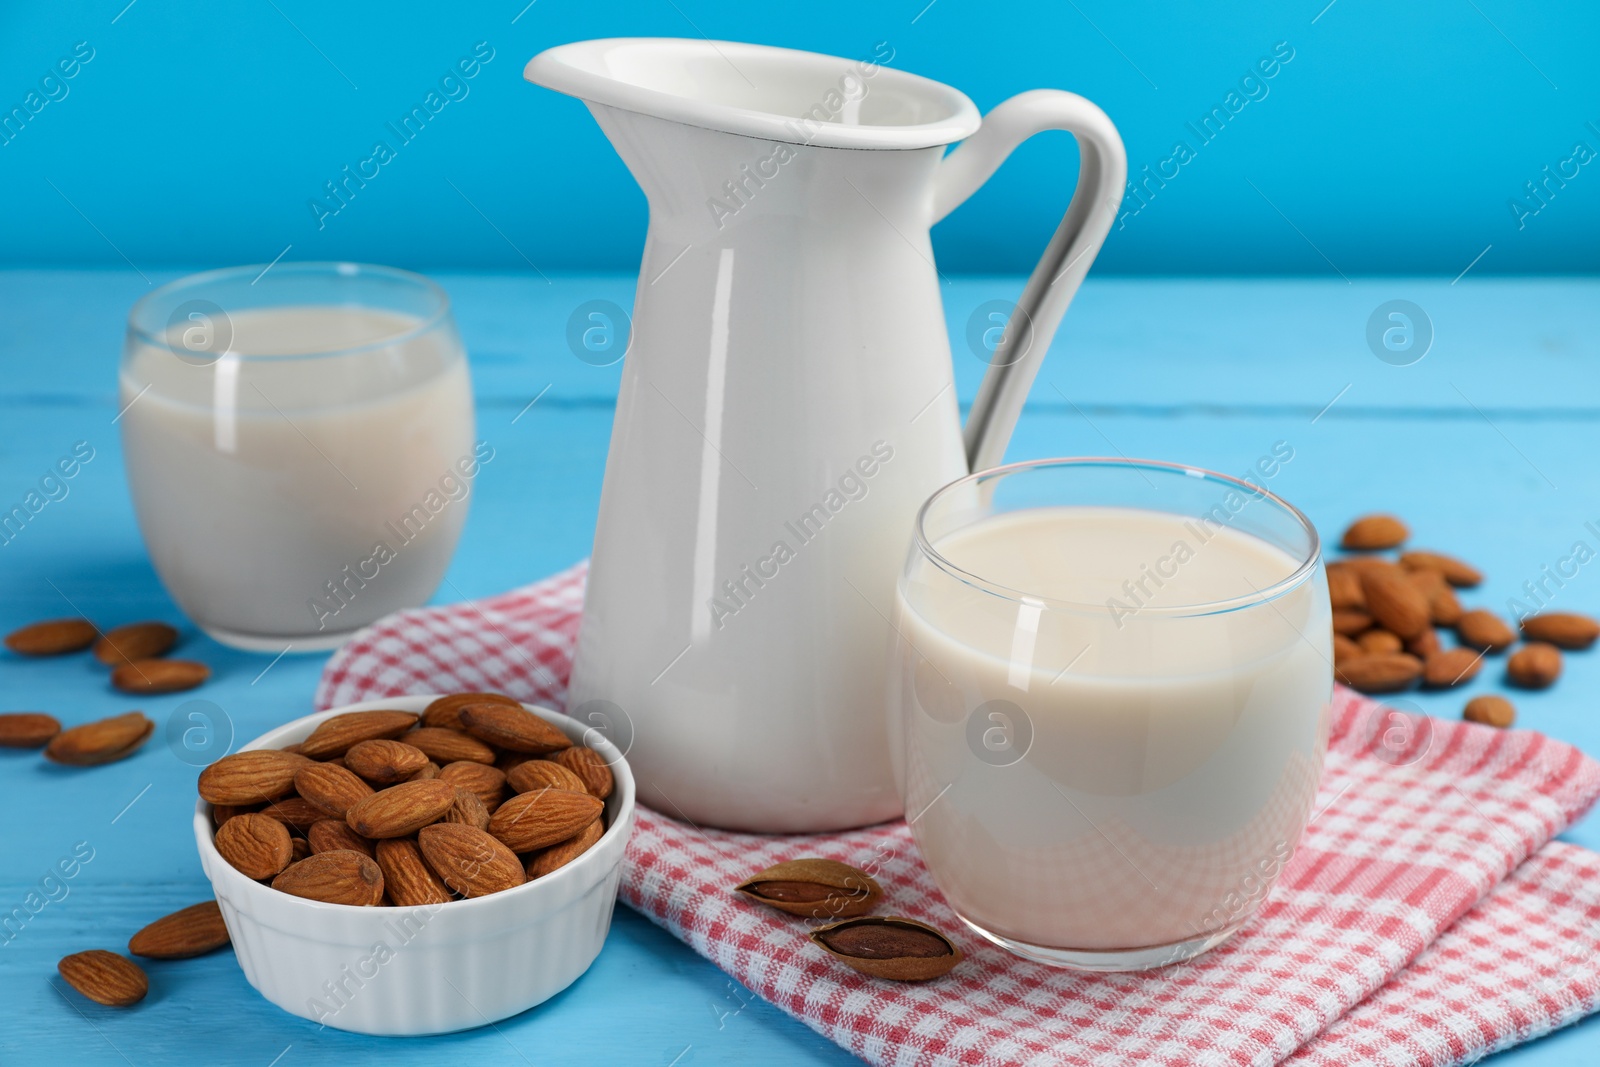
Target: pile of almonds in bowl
475 796
1388 615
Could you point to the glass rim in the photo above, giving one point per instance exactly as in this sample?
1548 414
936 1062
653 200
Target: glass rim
330 267
1297 577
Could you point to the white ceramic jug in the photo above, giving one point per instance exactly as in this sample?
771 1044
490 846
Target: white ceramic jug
787 404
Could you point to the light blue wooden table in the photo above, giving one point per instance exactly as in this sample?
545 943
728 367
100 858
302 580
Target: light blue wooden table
1488 446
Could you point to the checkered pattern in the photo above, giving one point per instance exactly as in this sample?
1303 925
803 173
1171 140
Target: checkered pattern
1410 927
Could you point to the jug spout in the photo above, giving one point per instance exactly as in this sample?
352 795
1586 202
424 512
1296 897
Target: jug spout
771 94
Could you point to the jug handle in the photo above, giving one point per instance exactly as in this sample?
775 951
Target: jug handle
1102 173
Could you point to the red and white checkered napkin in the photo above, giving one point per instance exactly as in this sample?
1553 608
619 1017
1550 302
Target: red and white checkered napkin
1425 919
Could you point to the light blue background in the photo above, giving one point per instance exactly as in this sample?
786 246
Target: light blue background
1391 143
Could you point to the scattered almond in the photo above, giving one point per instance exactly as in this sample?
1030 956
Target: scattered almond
105 977
902 950
469 860
1536 665
1490 710
1485 630
1376 641
1395 603
1351 621
814 888
53 637
1388 672
1373 532
27 729
1459 574
1564 629
1450 666
159 675
340 877
104 741
191 931
257 845
1424 644
1345 649
1344 588
136 641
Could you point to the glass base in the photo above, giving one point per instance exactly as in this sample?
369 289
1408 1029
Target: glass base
277 645
1131 959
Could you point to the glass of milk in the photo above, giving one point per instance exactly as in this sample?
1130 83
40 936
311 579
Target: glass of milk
299 446
1109 704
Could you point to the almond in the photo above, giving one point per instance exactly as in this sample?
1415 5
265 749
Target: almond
136 641
27 729
101 742
446 711
385 762
329 835
1344 648
1444 609
297 813
159 675
510 727
538 820
1386 673
538 774
468 810
339 877
402 809
252 777
1450 666
1374 532
428 770
407 878
449 746
468 860
1395 603
1490 710
589 766
883 946
221 813
1564 629
487 782
1483 629
52 638
814 888
191 931
1374 641
333 737
105 977
301 847
1351 621
257 845
1424 644
557 856
330 787
1459 574
1344 587
1535 665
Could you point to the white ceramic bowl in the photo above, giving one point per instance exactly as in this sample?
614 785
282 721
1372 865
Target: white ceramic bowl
424 970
